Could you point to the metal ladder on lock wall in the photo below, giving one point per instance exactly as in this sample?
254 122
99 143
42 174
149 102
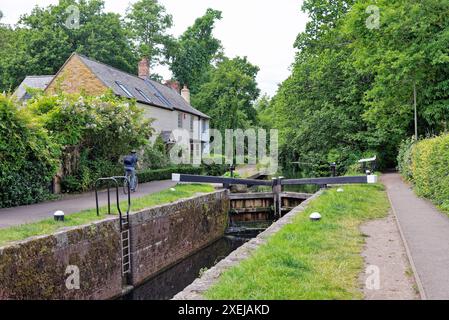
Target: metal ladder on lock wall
125 238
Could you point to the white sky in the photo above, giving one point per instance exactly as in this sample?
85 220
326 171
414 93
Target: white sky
262 30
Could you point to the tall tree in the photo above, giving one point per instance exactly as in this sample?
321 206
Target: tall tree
148 22
409 49
192 54
47 36
228 97
318 108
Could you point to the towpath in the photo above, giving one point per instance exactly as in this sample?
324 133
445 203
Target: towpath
71 204
425 231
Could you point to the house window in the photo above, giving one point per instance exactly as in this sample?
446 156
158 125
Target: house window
147 99
179 120
204 126
191 123
125 89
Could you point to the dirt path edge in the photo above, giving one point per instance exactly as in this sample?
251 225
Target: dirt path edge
422 293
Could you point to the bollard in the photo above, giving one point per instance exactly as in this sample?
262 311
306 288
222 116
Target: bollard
333 167
59 216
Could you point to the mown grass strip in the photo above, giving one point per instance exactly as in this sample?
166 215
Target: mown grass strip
49 226
310 260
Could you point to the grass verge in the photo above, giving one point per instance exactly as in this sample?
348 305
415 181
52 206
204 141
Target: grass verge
49 226
310 260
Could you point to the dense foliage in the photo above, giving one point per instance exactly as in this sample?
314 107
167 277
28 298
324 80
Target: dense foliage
28 157
228 97
148 23
92 132
351 89
46 37
155 155
193 52
425 164
166 173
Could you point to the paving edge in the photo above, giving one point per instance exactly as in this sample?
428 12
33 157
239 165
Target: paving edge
196 290
421 290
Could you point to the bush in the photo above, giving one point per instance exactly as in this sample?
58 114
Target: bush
88 173
155 156
426 164
235 175
214 165
166 174
405 158
92 132
28 158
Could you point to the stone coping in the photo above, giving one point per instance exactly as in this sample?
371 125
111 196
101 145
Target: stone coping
63 230
196 290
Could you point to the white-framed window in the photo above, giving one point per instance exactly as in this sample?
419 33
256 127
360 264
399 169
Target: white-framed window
203 126
179 120
192 123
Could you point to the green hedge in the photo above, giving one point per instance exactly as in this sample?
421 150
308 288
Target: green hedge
426 164
28 158
166 174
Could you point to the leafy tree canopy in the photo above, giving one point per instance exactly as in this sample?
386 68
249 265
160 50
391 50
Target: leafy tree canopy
148 22
228 97
192 54
47 36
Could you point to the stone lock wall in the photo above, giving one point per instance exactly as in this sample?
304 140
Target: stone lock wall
163 235
36 268
160 237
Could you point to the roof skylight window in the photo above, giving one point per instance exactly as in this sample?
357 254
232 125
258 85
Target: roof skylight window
147 99
125 89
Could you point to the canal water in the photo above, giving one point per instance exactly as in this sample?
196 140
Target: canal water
172 281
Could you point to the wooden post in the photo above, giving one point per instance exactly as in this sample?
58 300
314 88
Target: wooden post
277 189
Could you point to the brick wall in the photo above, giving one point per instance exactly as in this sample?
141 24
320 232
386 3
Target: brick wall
162 236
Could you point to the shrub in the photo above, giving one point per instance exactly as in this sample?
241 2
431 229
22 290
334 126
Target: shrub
88 173
28 158
155 156
214 165
104 127
426 164
234 175
405 158
166 174
92 132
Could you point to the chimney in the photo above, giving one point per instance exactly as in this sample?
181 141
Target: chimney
144 68
185 93
175 85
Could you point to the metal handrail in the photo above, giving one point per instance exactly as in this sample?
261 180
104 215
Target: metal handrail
114 180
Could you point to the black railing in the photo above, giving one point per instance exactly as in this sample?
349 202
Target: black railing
116 186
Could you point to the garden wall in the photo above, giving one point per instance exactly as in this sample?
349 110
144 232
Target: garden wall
161 236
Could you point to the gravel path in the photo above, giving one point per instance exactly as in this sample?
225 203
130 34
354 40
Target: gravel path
385 256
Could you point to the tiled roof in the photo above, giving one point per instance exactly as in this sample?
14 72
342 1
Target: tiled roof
140 89
34 82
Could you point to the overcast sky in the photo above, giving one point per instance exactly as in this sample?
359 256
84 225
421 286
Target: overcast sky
262 30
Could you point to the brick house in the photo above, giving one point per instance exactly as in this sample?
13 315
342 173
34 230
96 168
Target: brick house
167 104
